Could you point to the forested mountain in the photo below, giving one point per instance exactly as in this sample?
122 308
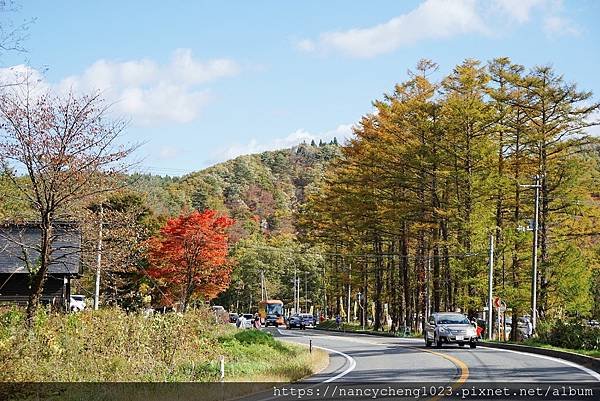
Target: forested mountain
264 188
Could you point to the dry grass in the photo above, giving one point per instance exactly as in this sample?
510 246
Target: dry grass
110 345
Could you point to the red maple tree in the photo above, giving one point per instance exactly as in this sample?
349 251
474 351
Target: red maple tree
189 256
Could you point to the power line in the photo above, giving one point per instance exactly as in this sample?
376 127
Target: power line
368 255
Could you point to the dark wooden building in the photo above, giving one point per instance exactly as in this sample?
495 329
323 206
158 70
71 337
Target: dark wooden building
19 248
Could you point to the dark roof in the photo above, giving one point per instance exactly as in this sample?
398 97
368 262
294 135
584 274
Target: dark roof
15 239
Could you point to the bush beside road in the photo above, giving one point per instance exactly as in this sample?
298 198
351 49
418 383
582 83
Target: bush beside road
330 325
111 345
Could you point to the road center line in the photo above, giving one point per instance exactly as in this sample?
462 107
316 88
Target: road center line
464 369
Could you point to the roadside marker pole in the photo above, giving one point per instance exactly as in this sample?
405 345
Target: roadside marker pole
310 346
222 367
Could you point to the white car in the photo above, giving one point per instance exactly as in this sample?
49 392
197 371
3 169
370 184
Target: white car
245 321
449 328
77 303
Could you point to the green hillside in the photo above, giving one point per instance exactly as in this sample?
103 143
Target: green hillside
264 188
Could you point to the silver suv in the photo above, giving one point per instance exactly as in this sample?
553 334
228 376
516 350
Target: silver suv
449 328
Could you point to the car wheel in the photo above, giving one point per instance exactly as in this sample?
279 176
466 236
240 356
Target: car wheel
473 345
438 343
427 342
461 344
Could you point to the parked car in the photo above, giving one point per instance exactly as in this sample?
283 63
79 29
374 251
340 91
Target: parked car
295 321
593 323
245 321
449 328
308 319
271 320
77 303
233 317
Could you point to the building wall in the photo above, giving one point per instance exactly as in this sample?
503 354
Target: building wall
15 288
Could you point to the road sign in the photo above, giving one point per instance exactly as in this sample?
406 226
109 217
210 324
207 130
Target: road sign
497 302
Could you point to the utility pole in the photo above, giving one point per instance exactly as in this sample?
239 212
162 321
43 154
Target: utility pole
490 287
349 291
428 289
325 294
98 259
534 269
295 284
298 296
306 291
535 251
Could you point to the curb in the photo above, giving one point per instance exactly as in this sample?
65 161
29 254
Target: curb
583 360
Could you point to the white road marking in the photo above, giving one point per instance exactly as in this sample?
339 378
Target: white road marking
350 360
590 372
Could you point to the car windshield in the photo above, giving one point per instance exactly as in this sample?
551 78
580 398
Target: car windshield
453 319
78 297
248 316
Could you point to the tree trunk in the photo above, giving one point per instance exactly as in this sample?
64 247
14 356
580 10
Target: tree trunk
39 277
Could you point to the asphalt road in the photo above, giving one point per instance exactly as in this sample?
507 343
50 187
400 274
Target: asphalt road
364 358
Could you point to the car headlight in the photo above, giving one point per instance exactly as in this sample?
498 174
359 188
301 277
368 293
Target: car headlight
471 332
442 329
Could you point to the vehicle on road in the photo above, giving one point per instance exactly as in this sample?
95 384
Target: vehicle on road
245 321
449 328
77 303
307 319
233 317
295 321
272 320
271 307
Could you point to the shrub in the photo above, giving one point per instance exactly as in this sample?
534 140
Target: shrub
569 334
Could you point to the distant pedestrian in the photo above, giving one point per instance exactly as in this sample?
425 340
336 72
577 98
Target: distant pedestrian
256 321
338 321
528 328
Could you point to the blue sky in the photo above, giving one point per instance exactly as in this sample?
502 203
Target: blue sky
204 81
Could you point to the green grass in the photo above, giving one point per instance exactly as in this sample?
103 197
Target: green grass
111 345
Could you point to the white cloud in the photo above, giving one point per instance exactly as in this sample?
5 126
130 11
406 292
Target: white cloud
442 19
168 152
433 19
519 10
144 90
560 26
594 118
342 132
18 74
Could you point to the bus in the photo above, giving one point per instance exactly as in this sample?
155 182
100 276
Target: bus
271 307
